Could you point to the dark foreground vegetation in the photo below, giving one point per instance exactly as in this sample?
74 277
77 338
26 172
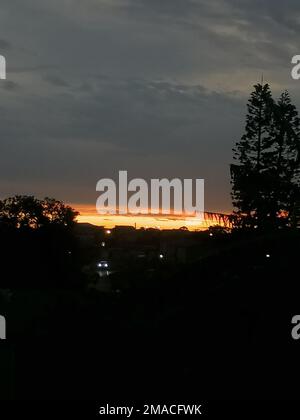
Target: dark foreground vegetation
217 324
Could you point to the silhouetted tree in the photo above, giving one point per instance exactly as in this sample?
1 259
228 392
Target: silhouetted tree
37 244
21 211
29 212
285 156
57 212
265 178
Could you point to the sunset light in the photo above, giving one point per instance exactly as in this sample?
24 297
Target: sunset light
88 214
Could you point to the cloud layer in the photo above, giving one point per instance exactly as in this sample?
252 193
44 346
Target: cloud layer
155 87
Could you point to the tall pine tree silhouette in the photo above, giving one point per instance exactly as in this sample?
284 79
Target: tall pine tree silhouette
249 175
286 134
266 178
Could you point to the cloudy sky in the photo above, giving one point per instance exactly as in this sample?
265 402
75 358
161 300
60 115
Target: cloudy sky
157 87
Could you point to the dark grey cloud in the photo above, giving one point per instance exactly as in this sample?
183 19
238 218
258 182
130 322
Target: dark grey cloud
4 45
155 87
9 85
56 80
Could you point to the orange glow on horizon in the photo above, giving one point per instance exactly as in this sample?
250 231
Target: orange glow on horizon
88 214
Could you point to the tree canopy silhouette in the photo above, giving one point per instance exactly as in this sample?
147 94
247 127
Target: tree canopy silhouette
30 212
265 176
37 244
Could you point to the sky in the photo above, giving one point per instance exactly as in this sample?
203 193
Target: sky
155 87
